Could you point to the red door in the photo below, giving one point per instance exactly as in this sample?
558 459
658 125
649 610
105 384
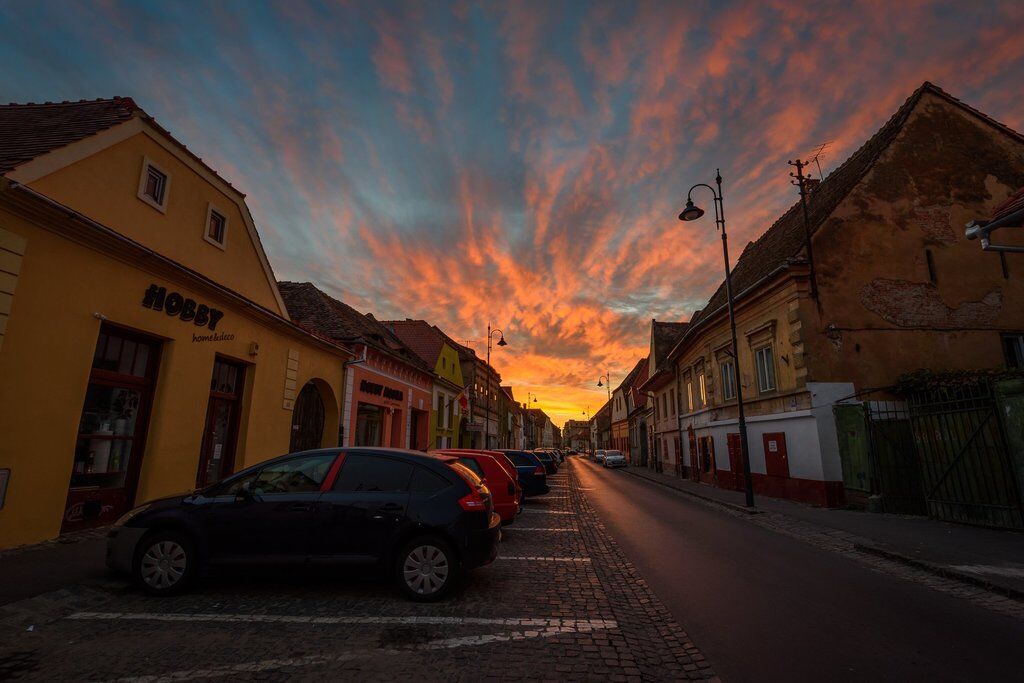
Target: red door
775 458
736 459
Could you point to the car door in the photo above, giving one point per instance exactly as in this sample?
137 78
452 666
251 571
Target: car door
268 514
364 509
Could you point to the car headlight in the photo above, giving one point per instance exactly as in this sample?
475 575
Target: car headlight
126 517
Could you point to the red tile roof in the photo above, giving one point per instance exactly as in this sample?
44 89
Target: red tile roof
31 130
1012 205
423 338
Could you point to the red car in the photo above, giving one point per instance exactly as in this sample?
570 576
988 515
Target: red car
498 473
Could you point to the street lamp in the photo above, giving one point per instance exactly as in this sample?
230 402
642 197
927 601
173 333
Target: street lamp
607 381
487 414
692 213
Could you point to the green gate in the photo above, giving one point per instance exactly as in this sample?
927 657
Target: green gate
967 473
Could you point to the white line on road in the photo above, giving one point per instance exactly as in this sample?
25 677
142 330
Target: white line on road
545 559
551 512
526 528
541 628
312 619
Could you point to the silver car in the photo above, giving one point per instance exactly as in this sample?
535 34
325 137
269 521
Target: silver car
614 459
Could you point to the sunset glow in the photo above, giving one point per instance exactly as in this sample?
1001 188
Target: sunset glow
518 165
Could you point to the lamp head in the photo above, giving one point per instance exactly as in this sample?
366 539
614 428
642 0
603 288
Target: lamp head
600 383
691 212
502 342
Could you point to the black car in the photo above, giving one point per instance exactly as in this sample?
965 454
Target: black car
550 464
533 476
420 518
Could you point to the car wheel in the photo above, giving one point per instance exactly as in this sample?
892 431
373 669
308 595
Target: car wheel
165 563
427 569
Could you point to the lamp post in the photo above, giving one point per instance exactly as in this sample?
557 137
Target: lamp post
607 380
487 414
692 213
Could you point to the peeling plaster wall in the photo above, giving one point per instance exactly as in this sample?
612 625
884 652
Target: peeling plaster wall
879 312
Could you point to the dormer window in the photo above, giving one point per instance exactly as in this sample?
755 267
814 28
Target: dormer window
154 185
216 227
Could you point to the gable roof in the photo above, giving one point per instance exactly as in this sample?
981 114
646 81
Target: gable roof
314 309
664 336
632 376
784 242
421 337
31 130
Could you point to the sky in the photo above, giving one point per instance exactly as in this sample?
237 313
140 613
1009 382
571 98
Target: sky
519 164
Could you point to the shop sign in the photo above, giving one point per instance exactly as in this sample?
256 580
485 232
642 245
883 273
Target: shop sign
368 387
176 305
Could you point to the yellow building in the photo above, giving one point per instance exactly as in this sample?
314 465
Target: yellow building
435 349
144 347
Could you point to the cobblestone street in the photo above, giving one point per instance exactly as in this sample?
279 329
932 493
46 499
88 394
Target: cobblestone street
561 602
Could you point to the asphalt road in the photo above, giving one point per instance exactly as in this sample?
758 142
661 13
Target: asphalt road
763 606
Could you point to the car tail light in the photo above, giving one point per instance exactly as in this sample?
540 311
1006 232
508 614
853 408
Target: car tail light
539 470
473 502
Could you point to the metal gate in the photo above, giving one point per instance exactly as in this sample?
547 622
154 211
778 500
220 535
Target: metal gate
966 471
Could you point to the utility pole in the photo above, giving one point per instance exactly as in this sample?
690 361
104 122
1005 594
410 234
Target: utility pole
800 180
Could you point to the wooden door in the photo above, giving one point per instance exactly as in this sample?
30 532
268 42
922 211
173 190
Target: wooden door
220 434
307 420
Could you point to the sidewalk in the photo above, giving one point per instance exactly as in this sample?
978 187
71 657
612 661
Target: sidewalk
28 571
983 557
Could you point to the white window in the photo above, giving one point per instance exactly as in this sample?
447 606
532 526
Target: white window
765 368
728 380
154 185
216 230
703 390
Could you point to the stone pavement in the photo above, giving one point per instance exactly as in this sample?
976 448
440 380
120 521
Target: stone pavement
987 559
560 603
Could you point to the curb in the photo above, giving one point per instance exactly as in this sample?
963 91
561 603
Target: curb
944 572
709 499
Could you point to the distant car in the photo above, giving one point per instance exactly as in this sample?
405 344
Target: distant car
550 465
599 457
533 477
614 459
420 519
501 479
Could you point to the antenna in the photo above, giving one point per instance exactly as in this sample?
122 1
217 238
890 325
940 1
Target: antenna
816 155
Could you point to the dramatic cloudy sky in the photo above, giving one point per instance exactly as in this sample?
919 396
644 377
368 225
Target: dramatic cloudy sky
523 163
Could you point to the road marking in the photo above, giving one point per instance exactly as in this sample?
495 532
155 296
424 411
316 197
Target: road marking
545 559
551 512
533 628
310 619
992 570
526 528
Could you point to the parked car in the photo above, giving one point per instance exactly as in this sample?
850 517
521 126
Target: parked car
501 479
533 476
599 457
550 466
614 459
420 519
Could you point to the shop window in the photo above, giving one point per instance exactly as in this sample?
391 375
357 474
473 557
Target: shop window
1013 348
369 425
765 361
111 429
154 185
728 380
216 227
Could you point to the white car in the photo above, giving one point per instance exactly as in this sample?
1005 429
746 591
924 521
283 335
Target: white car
614 459
599 457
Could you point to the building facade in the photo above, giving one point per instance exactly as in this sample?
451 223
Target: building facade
146 349
896 287
433 348
388 388
661 385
